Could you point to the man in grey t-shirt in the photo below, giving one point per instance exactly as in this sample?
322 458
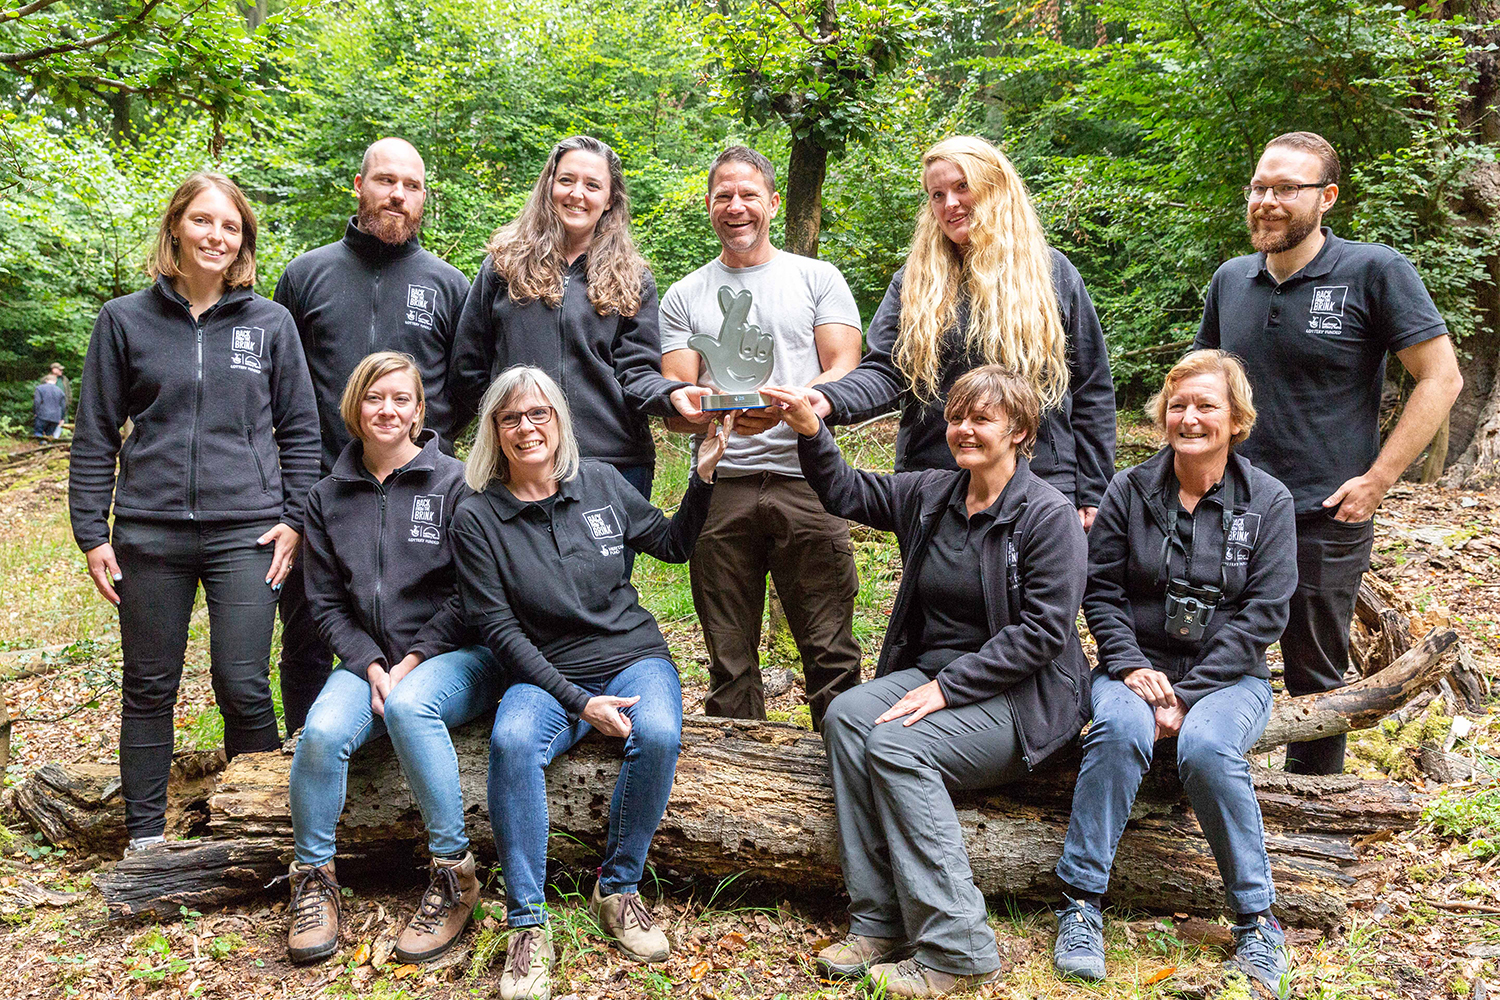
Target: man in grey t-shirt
764 517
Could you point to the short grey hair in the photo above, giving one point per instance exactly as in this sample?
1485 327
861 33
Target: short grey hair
487 461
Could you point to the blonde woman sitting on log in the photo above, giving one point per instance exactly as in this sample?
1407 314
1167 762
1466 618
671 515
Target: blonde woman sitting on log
1192 561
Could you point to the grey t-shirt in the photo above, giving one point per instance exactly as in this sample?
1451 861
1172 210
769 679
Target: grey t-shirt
791 295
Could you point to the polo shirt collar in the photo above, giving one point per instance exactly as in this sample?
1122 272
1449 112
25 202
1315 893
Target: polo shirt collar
1007 506
508 507
350 465
1326 260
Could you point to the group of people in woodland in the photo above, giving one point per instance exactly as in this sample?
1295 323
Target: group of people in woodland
295 455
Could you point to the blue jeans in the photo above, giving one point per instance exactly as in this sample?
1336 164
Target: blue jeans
445 691
1219 730
531 730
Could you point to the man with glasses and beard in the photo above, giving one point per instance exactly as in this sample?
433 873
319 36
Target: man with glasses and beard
374 290
1313 317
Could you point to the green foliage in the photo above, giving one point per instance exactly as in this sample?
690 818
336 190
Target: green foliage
813 65
1468 815
1137 122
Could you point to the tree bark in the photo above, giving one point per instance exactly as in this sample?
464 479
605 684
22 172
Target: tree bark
804 196
755 798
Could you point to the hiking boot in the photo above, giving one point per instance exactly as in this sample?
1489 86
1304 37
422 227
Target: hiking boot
313 933
624 917
852 957
528 965
913 979
1079 951
444 911
1260 952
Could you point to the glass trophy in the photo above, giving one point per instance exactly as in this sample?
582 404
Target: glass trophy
739 359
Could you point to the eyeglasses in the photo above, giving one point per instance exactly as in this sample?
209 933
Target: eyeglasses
1278 192
536 416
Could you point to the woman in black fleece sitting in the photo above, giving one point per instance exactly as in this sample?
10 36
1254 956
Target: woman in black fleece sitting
980 679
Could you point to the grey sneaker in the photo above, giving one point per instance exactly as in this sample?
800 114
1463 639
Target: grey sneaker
852 957
138 844
1260 952
1079 951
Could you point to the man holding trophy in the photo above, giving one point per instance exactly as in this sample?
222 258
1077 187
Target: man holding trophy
756 315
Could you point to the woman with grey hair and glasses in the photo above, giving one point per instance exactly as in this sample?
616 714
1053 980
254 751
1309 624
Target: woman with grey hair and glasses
543 559
565 289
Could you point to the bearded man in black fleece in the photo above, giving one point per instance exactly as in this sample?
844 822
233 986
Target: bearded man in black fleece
374 290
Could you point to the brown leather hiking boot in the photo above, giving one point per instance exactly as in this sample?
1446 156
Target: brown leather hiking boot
853 956
528 965
913 979
313 933
625 918
444 911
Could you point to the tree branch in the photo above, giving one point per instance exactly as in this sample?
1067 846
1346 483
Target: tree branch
31 8
21 58
796 25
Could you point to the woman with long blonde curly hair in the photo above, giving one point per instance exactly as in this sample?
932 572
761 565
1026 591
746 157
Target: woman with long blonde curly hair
564 289
981 286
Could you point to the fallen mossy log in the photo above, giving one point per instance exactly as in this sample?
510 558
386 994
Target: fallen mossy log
754 798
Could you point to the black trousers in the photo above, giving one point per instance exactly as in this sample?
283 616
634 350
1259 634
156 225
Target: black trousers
1332 555
305 660
161 565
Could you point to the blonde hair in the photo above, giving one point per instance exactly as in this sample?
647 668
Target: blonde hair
1002 388
162 261
1209 362
1005 273
370 370
528 251
487 461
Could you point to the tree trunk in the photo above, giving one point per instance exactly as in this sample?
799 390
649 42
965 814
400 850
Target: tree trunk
755 798
804 196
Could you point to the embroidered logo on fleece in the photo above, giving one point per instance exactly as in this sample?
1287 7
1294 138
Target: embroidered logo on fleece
1327 310
426 519
421 302
1243 531
604 524
247 347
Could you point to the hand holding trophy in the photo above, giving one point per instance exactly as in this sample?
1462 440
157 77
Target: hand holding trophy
739 360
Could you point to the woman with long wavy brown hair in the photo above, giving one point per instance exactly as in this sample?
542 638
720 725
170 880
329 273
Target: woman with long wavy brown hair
981 286
564 289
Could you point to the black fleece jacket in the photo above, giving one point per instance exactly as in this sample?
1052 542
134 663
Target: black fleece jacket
550 591
1075 448
361 295
1126 600
225 424
381 581
1031 569
608 366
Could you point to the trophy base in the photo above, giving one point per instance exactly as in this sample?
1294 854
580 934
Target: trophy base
718 402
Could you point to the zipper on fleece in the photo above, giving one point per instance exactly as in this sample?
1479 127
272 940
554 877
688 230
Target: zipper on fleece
265 486
374 311
562 340
197 416
379 565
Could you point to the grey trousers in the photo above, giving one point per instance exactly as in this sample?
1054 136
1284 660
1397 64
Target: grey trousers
900 844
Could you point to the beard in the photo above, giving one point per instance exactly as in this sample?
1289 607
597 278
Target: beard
1298 228
383 227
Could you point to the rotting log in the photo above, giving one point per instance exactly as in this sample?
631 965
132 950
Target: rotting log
754 798
1362 704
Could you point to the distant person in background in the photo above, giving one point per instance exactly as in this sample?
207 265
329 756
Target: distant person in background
48 407
67 388
1313 316
564 289
376 289
210 484
981 286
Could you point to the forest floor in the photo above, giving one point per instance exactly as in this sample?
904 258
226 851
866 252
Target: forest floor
1433 932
